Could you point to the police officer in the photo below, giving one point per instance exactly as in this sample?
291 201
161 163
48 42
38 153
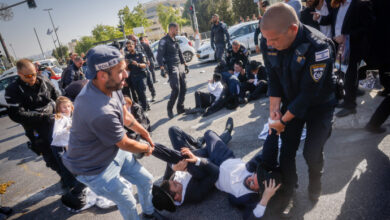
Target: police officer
219 37
137 67
170 55
139 48
31 101
235 53
299 61
149 54
72 73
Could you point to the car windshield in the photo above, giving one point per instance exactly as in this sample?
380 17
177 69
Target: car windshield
154 46
5 82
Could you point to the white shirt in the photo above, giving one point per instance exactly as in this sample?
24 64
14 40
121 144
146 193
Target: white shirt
325 29
183 178
232 174
215 89
340 17
61 131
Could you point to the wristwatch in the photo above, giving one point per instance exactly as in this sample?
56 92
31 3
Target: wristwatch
283 122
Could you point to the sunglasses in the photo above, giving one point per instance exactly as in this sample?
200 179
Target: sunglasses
31 75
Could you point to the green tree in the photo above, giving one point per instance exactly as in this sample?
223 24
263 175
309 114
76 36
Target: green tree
134 18
60 52
167 15
244 8
84 44
105 32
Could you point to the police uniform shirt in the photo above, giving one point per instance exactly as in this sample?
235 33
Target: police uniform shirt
139 58
232 57
218 33
169 52
302 74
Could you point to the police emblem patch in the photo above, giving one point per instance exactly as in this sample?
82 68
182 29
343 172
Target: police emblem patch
322 55
317 71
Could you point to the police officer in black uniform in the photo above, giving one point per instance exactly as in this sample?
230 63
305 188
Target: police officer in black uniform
149 55
137 67
299 61
140 49
169 57
72 73
219 38
31 101
236 52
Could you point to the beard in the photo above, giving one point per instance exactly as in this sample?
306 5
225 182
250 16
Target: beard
114 86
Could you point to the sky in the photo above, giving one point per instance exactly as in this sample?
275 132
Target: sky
75 18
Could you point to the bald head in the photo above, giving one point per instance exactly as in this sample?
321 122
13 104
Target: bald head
279 17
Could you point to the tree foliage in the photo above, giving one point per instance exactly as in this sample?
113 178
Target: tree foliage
135 18
60 52
84 44
167 15
244 8
105 32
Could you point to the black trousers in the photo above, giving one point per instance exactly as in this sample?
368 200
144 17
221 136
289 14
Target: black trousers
319 126
67 177
203 99
138 83
351 82
215 150
177 81
255 92
381 113
149 82
153 73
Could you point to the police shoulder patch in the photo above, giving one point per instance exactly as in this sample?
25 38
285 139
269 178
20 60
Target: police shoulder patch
317 71
322 55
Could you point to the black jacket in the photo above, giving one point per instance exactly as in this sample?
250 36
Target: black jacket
139 58
169 52
148 51
70 74
302 75
31 105
200 185
357 24
232 57
219 35
307 18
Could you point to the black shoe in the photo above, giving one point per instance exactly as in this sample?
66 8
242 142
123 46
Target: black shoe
155 215
194 111
6 211
182 110
229 125
360 92
340 105
314 189
345 112
373 129
242 100
170 113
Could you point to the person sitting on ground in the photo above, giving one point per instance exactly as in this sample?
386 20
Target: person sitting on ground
249 185
256 82
209 102
234 83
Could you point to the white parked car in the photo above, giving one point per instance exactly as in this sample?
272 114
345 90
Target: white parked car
243 33
185 47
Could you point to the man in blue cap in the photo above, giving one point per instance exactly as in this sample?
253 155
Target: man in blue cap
99 150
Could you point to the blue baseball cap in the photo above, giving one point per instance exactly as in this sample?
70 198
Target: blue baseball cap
101 57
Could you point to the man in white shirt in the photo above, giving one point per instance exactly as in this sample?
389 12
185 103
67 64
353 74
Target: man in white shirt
244 182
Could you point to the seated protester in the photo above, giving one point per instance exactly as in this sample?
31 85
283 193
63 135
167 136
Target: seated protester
209 102
234 84
244 182
256 82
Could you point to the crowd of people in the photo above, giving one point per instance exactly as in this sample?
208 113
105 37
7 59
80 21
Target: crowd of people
95 129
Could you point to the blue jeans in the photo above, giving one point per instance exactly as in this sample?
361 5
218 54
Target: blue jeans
109 185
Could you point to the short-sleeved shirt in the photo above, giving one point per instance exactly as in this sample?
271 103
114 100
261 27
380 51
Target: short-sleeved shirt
97 127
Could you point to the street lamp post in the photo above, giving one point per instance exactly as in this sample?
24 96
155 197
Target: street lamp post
55 31
13 50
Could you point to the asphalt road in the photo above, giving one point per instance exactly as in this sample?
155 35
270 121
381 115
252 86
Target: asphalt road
356 182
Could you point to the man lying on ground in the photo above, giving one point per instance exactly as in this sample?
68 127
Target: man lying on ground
197 171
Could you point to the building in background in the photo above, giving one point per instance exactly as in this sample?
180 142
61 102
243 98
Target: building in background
155 31
72 45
